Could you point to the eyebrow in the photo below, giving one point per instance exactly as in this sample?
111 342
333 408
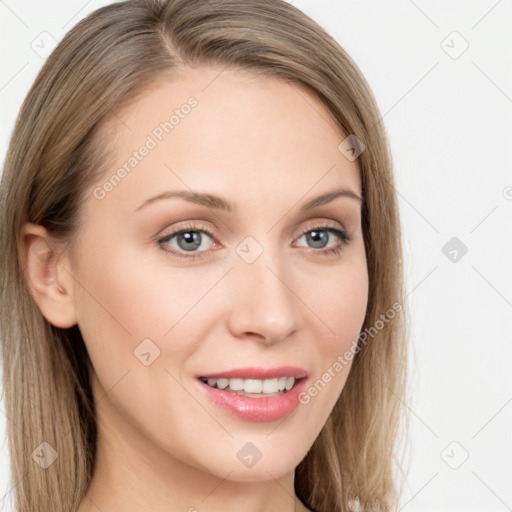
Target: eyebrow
219 203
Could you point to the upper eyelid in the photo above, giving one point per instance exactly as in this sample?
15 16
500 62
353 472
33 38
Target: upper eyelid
198 226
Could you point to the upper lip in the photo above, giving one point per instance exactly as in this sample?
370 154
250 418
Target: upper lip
258 373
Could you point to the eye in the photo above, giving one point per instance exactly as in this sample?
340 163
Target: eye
319 236
190 241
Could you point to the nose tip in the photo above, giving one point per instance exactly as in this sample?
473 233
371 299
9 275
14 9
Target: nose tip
264 306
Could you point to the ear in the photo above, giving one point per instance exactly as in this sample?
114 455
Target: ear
48 276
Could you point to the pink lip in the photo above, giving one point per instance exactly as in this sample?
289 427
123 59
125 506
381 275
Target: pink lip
256 409
259 373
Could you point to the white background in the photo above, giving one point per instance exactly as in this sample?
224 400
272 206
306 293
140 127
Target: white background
449 123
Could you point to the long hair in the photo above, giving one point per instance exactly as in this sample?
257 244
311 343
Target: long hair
55 154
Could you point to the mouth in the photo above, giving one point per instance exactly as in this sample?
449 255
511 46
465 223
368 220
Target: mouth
269 398
253 388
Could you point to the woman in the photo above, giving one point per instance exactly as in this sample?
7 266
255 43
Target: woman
264 365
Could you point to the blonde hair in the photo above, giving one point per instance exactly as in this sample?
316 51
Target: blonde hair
55 155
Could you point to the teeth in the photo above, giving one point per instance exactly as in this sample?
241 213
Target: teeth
267 386
270 386
222 383
236 384
252 386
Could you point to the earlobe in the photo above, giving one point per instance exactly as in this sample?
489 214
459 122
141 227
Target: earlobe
50 285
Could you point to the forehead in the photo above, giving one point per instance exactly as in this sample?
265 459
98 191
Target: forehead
225 131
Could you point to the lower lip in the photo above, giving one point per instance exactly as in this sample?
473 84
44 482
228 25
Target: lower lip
256 409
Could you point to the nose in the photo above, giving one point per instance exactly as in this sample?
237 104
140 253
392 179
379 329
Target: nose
264 306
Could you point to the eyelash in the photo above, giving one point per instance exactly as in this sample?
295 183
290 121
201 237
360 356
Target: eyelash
331 228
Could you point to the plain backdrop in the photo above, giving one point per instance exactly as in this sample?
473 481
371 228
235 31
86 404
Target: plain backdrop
441 73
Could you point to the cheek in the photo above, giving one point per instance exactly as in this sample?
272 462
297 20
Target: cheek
134 294
340 303
344 315
126 297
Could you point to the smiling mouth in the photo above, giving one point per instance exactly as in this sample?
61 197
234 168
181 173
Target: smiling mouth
254 388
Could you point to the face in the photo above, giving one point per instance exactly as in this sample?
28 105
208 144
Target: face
254 287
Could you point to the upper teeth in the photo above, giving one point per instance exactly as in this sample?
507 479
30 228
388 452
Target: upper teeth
254 385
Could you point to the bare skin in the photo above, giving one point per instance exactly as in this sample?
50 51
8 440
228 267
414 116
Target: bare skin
268 147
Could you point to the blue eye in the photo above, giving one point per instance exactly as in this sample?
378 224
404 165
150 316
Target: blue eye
190 238
320 237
